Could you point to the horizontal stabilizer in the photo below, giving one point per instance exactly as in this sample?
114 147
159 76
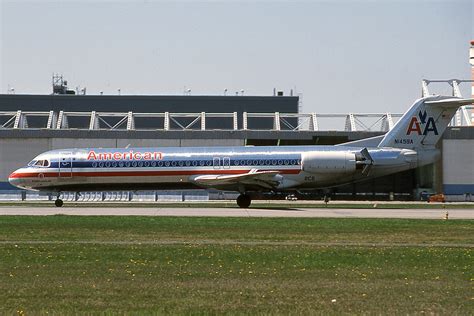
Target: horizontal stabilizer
455 102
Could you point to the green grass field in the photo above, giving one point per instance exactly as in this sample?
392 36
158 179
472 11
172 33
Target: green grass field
171 265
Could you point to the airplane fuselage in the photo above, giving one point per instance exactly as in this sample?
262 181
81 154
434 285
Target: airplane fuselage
298 167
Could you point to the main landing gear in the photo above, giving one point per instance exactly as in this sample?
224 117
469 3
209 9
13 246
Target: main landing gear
327 196
58 202
244 201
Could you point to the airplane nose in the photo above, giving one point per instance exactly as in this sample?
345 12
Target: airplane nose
15 179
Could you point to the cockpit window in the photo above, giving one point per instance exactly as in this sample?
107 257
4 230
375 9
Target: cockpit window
40 163
32 163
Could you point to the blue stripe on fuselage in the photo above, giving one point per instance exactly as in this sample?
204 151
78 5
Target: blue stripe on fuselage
256 161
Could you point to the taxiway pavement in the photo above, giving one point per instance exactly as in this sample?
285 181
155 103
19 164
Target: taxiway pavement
237 212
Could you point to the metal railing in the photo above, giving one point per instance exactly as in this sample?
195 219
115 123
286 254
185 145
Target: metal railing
94 120
167 121
129 121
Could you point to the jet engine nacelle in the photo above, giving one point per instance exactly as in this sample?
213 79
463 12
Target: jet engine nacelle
329 162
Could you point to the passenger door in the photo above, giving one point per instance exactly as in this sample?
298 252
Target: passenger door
65 165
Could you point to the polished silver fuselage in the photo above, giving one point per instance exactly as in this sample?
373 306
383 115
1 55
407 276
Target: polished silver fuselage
299 167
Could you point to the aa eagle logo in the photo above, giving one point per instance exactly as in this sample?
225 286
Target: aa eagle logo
422 124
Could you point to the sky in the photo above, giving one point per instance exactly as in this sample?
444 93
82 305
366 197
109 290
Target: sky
340 56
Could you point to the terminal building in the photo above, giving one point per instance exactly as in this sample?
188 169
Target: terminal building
32 124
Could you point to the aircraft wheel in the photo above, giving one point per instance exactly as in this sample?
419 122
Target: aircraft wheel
327 199
58 202
244 201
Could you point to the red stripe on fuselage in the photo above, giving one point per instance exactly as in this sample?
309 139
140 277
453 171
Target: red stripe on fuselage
17 175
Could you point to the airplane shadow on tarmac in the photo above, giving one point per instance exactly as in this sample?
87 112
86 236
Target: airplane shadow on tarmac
272 209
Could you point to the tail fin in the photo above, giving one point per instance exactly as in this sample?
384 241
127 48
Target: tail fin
424 123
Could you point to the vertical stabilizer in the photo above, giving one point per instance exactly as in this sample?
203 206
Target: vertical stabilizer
424 123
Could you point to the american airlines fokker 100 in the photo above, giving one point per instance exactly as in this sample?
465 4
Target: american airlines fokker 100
409 144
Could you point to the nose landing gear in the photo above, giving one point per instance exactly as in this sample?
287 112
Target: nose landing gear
244 200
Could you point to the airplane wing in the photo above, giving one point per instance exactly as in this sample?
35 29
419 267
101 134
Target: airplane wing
264 179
